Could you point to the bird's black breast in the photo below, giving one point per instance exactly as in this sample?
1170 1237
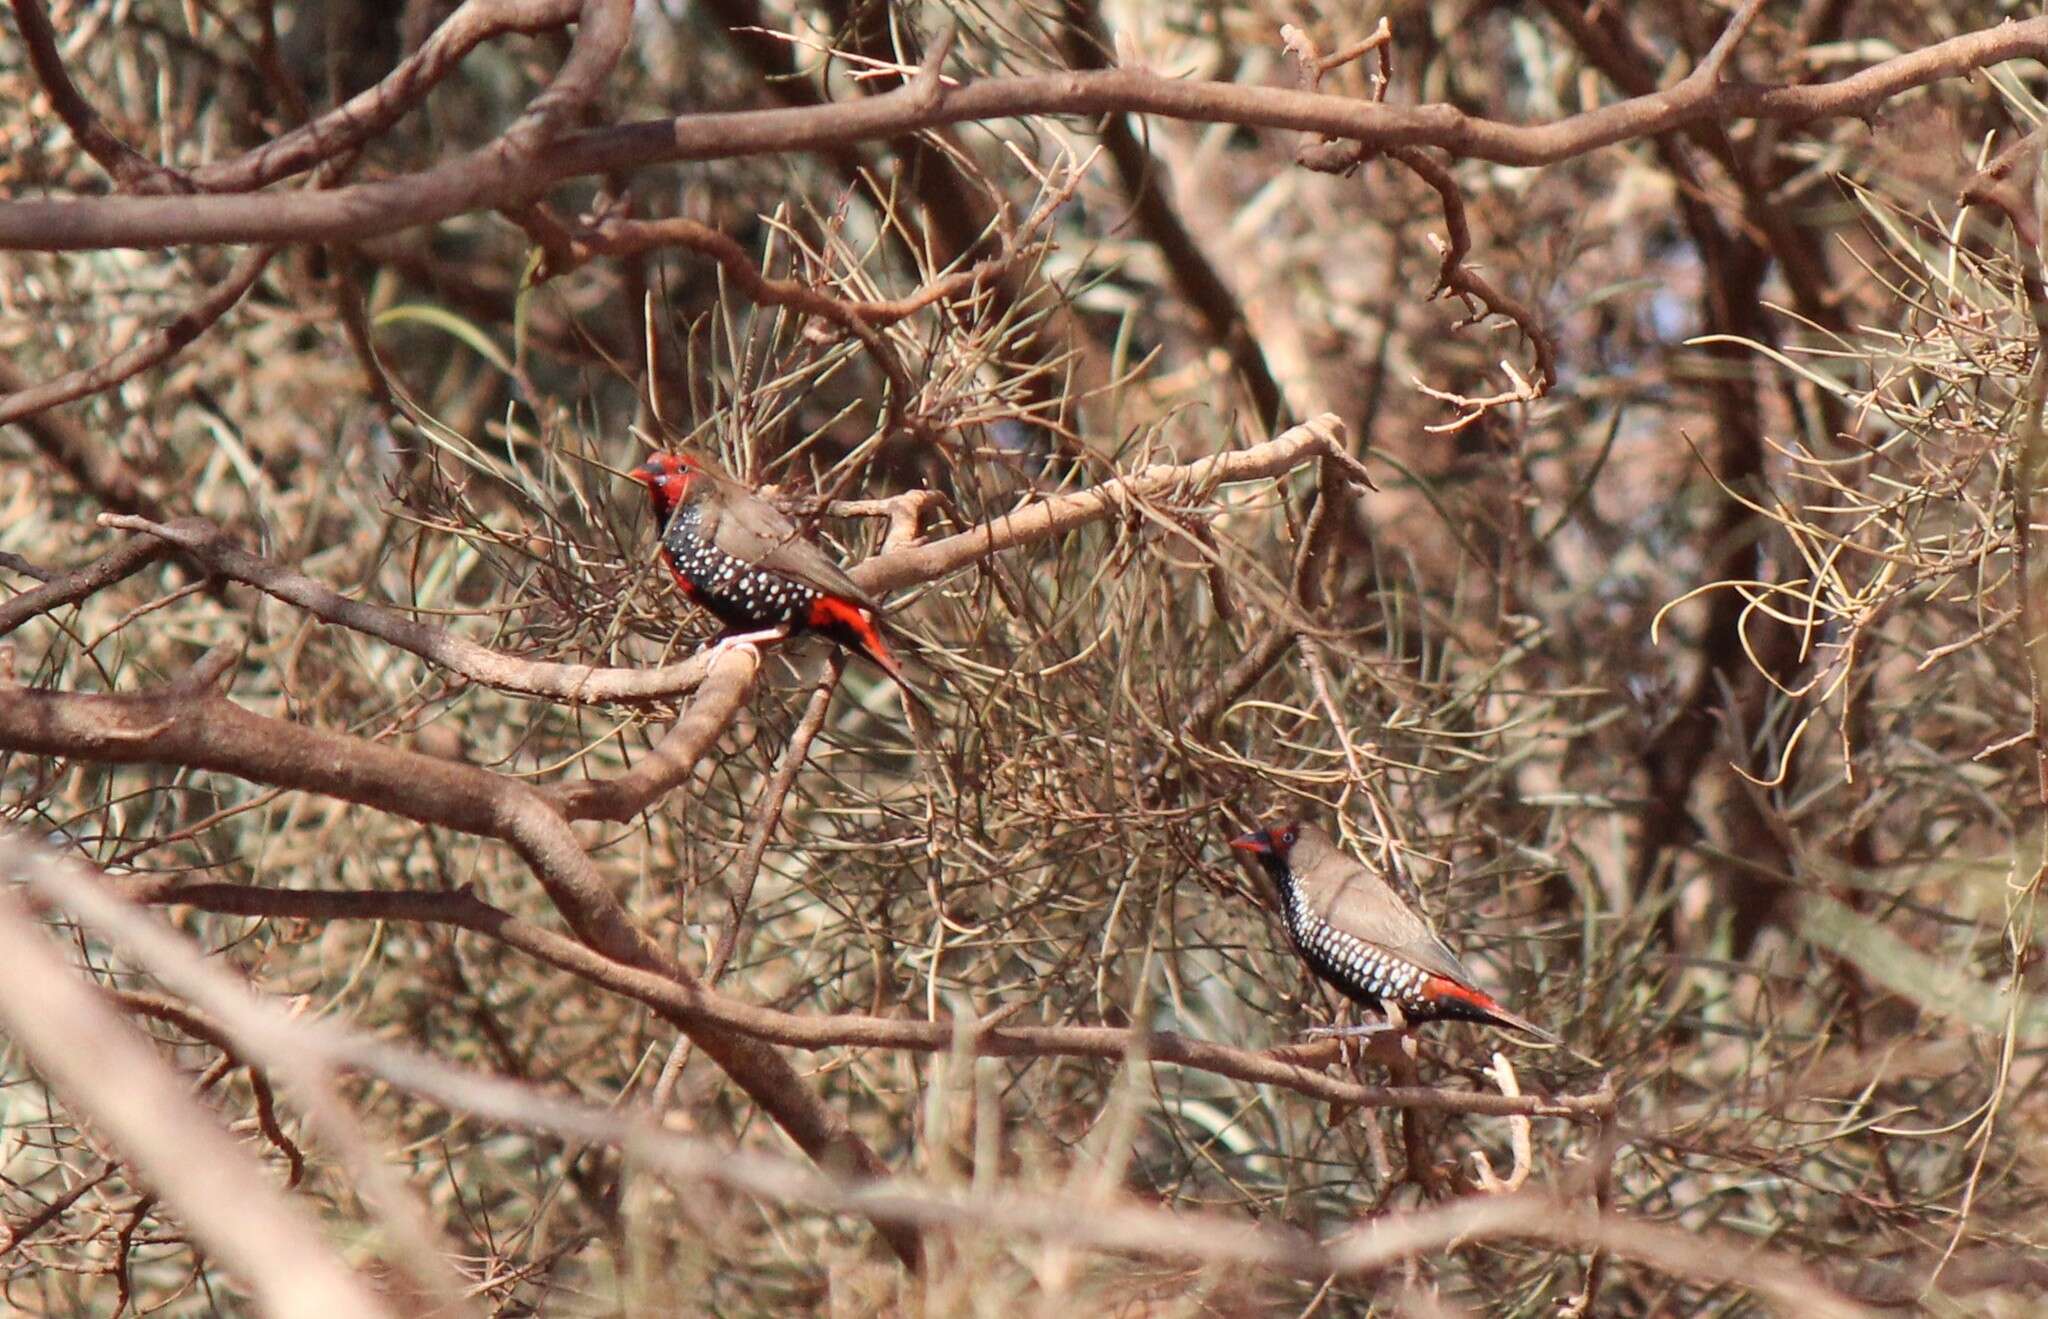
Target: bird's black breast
1364 973
740 594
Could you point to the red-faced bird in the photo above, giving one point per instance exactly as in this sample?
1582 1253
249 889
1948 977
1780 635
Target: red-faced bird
737 555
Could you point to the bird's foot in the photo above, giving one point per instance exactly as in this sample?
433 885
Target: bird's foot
1349 1032
1374 1034
750 640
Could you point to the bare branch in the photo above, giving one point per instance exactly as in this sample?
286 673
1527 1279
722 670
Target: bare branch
265 1032
212 733
512 169
1295 1067
118 564
372 111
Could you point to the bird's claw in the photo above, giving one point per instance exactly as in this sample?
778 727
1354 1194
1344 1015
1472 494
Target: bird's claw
1344 1035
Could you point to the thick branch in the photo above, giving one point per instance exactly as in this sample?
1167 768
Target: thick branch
503 173
510 170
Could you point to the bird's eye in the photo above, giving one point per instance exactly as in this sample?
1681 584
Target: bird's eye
1287 839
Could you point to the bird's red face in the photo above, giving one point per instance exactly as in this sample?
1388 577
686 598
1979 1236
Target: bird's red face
1277 841
667 477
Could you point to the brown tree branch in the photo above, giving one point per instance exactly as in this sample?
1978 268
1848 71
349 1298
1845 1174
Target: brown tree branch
1453 276
209 546
726 684
129 167
503 173
96 466
377 108
121 562
17 1233
1323 435
1294 1067
1460 280
912 1207
200 1028
513 169
151 350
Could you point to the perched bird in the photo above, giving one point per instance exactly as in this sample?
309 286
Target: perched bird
735 554
1357 934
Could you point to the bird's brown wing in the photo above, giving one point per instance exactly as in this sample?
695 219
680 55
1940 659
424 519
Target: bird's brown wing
754 531
1354 899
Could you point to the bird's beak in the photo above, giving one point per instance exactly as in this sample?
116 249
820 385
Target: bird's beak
1253 842
641 475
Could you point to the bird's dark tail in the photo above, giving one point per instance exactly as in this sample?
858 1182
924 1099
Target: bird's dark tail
1515 1021
1478 1005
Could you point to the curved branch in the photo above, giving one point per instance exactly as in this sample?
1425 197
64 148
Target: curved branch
1317 437
118 564
151 350
199 1027
209 546
377 108
1459 280
512 169
727 680
129 167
